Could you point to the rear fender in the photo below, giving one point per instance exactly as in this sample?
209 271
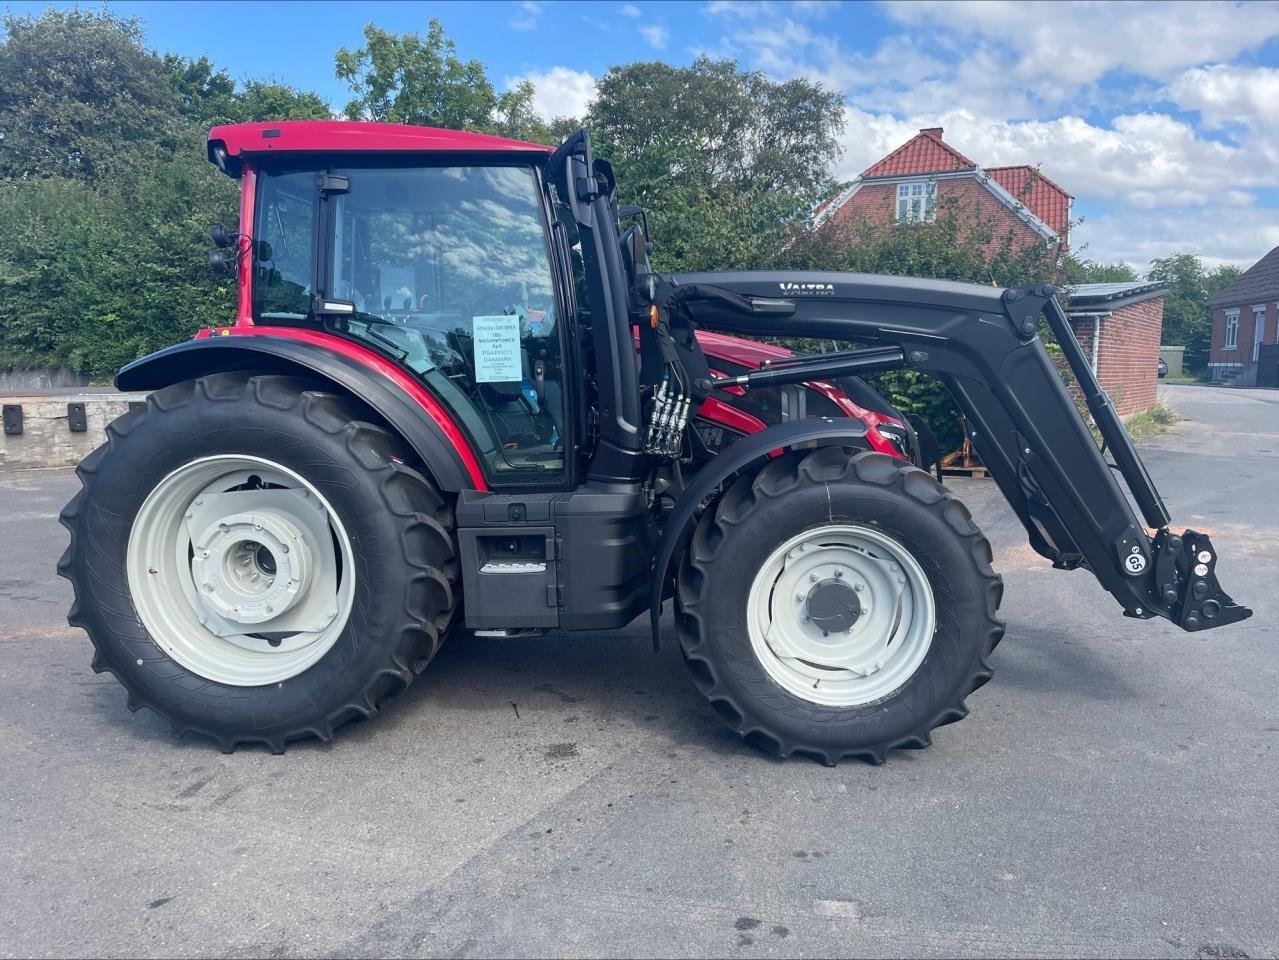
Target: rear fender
753 449
406 406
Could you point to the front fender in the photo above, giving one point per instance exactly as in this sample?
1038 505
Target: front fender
406 406
741 454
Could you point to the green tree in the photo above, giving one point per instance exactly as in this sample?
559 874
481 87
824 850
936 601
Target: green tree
270 100
81 96
727 161
208 96
92 277
407 78
1219 278
1076 271
1187 317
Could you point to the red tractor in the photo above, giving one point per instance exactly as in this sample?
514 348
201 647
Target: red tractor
431 411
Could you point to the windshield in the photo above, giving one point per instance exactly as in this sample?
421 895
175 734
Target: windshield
445 268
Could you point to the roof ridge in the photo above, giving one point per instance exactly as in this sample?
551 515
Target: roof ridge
932 139
1038 171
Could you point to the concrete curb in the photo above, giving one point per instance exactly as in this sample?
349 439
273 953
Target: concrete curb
46 421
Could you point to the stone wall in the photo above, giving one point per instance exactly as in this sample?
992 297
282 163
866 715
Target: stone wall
46 439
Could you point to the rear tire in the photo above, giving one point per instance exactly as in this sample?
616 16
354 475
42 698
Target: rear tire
395 582
873 521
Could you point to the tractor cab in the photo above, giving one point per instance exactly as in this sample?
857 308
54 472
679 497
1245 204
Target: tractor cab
445 264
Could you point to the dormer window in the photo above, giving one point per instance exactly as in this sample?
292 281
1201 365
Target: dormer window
917 200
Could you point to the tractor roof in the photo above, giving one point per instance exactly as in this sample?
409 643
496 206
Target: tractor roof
231 144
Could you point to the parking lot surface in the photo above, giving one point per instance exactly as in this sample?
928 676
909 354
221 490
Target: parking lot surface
1113 792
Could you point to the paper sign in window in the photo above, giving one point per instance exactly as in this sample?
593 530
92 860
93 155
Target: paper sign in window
497 349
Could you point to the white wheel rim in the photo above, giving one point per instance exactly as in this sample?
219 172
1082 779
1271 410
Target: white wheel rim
239 580
874 582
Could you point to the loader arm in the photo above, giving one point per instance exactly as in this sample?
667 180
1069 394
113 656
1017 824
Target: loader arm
983 344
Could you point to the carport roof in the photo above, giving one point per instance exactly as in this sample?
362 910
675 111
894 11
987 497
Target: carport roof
1104 297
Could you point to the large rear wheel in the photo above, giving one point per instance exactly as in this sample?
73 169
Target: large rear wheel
838 606
255 562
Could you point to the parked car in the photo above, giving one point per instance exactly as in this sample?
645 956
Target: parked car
1163 367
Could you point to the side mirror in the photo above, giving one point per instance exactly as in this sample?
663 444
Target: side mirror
221 264
221 238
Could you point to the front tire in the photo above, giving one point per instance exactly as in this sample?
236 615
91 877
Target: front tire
838 606
256 563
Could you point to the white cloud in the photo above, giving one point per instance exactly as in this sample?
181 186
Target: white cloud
526 18
1078 43
559 91
1135 152
1138 235
1224 94
630 10
656 35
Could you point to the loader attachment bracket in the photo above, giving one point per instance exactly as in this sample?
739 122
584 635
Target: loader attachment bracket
1185 571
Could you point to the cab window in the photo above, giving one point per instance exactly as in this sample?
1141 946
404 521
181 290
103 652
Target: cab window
447 270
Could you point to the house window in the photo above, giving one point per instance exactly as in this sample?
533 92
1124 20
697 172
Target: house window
1258 330
1232 331
917 200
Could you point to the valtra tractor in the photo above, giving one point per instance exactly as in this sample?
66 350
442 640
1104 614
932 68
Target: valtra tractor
456 398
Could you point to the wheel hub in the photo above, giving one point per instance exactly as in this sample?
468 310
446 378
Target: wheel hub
240 570
832 606
251 567
840 614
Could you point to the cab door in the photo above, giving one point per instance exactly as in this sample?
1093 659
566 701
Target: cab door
448 270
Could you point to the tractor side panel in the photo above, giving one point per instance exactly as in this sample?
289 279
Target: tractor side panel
576 560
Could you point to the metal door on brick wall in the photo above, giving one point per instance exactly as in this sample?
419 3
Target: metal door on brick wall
1268 365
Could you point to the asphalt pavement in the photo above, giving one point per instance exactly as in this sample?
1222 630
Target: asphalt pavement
1113 793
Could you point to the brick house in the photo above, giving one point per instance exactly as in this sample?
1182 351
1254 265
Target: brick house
908 183
1118 324
1119 327
1245 319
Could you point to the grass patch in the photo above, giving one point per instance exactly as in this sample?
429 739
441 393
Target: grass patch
1152 422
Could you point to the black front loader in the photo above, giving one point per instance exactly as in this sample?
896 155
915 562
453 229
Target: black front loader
983 344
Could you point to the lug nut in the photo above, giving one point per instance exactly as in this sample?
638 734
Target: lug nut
812 577
839 574
859 586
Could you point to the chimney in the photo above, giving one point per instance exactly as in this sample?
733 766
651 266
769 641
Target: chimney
932 132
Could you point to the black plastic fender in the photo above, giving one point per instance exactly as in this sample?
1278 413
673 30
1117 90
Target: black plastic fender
755 447
197 358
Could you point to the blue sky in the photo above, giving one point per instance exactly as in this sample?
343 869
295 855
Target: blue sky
1161 118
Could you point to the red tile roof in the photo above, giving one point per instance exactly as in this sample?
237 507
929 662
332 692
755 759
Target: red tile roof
1049 202
923 153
